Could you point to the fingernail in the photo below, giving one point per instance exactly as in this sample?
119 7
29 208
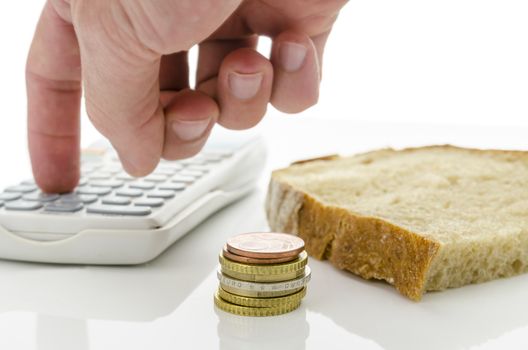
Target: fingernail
291 56
244 86
189 130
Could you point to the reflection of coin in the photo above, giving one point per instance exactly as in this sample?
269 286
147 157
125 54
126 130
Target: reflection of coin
254 311
258 261
265 245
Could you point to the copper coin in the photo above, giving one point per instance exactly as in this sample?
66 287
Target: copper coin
259 261
265 245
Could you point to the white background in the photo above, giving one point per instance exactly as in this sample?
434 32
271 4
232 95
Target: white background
437 63
451 61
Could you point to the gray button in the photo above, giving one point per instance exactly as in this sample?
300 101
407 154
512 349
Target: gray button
89 167
150 202
156 178
82 181
116 200
191 173
125 177
175 186
169 165
21 188
78 198
216 154
22 205
9 196
203 168
129 192
167 172
100 176
40 196
141 185
182 178
28 182
112 168
64 206
1 204
94 190
160 194
118 209
106 183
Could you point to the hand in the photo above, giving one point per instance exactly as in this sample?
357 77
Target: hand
135 75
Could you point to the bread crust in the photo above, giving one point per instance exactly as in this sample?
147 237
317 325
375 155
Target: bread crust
367 246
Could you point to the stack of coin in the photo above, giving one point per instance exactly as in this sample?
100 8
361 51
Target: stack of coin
262 274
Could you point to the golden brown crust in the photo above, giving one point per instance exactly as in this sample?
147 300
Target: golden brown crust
368 247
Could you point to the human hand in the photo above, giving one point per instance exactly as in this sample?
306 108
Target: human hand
135 74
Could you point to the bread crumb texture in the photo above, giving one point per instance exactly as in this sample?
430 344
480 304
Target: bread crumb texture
421 219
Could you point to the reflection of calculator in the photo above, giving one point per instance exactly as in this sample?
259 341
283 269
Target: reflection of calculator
112 218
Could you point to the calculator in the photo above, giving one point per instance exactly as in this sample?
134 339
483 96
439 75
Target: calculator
112 218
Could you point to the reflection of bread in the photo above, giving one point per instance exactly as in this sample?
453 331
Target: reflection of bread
422 219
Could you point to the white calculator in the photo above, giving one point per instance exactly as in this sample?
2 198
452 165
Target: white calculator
113 218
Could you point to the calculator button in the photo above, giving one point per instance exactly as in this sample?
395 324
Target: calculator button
150 202
118 209
89 167
23 205
112 168
129 192
156 178
125 177
100 176
203 168
141 185
40 197
107 183
64 207
182 178
175 186
160 194
82 198
164 172
21 188
169 165
116 200
28 182
9 196
94 190
191 173
82 181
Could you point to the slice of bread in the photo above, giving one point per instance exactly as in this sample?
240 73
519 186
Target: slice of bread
422 219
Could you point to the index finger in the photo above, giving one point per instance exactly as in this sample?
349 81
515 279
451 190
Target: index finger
53 79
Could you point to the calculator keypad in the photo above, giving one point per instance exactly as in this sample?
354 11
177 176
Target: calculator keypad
106 189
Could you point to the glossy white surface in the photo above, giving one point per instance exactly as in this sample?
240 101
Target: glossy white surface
167 303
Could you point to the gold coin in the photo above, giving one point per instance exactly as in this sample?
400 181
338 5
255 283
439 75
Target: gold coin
271 269
258 293
265 277
254 311
261 302
265 245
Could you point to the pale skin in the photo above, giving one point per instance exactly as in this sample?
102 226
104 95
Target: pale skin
135 75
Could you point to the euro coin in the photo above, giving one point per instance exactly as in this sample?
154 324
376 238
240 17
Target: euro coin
254 311
258 261
273 269
263 286
257 294
265 245
263 277
261 302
